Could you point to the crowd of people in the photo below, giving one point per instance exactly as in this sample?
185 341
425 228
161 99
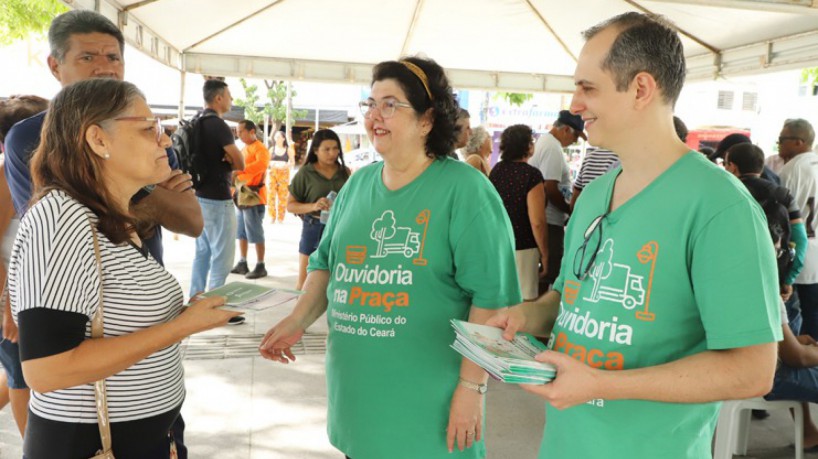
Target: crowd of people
633 276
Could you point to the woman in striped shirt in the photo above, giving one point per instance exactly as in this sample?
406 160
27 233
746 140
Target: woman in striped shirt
100 145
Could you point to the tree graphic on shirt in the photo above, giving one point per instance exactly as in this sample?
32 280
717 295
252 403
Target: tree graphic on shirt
382 229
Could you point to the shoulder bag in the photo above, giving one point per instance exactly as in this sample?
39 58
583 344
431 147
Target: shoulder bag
100 394
97 326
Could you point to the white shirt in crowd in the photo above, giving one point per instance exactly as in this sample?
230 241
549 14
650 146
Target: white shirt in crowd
775 163
800 176
550 160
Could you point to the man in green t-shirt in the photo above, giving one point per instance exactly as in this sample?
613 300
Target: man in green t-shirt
667 297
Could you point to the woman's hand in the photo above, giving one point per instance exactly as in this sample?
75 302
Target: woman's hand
465 418
204 314
278 341
322 204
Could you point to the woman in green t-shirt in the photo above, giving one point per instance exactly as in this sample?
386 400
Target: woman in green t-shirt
412 242
323 173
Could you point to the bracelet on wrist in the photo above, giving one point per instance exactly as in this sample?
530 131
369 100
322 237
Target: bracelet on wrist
477 387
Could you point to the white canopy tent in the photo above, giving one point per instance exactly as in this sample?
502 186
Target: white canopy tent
508 45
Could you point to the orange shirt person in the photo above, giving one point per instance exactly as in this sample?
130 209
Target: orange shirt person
250 218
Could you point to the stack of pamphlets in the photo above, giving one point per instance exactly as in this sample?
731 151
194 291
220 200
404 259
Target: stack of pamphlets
243 296
507 361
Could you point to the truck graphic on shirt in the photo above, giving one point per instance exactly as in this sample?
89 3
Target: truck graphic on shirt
614 281
393 239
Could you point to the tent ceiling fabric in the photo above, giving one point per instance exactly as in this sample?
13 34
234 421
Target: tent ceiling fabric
515 45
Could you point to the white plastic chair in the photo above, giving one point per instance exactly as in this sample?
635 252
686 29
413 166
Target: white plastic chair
734 425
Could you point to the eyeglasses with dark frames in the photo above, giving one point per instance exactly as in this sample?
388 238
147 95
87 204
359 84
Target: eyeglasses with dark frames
783 139
386 106
582 266
157 126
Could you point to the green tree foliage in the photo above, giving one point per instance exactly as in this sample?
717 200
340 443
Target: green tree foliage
515 98
809 75
20 19
275 105
250 102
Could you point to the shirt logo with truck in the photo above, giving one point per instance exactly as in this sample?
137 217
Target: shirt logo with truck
609 284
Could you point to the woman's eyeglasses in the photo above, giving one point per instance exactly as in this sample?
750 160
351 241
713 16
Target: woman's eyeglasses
157 127
386 107
582 266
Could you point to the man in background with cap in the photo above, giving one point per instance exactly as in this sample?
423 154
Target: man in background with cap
736 139
549 159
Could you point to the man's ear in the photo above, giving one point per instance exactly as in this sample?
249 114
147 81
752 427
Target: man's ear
646 89
54 66
98 140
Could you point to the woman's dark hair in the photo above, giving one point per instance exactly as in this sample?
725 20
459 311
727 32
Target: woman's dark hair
284 137
320 136
515 142
441 140
65 161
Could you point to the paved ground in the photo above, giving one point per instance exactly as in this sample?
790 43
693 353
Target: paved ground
249 408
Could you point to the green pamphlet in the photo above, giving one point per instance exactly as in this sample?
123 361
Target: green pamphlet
244 296
507 361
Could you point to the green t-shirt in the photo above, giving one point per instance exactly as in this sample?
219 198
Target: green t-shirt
402 264
685 266
309 185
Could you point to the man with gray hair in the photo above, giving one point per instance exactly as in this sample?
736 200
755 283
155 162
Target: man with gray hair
85 44
668 301
478 150
800 176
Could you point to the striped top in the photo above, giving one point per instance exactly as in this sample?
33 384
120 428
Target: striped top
596 163
53 274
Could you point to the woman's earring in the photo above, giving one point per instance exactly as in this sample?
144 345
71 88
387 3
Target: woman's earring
106 155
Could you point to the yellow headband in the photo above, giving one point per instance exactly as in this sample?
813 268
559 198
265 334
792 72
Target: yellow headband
421 76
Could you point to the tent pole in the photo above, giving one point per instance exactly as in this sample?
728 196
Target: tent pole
266 130
181 114
288 123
